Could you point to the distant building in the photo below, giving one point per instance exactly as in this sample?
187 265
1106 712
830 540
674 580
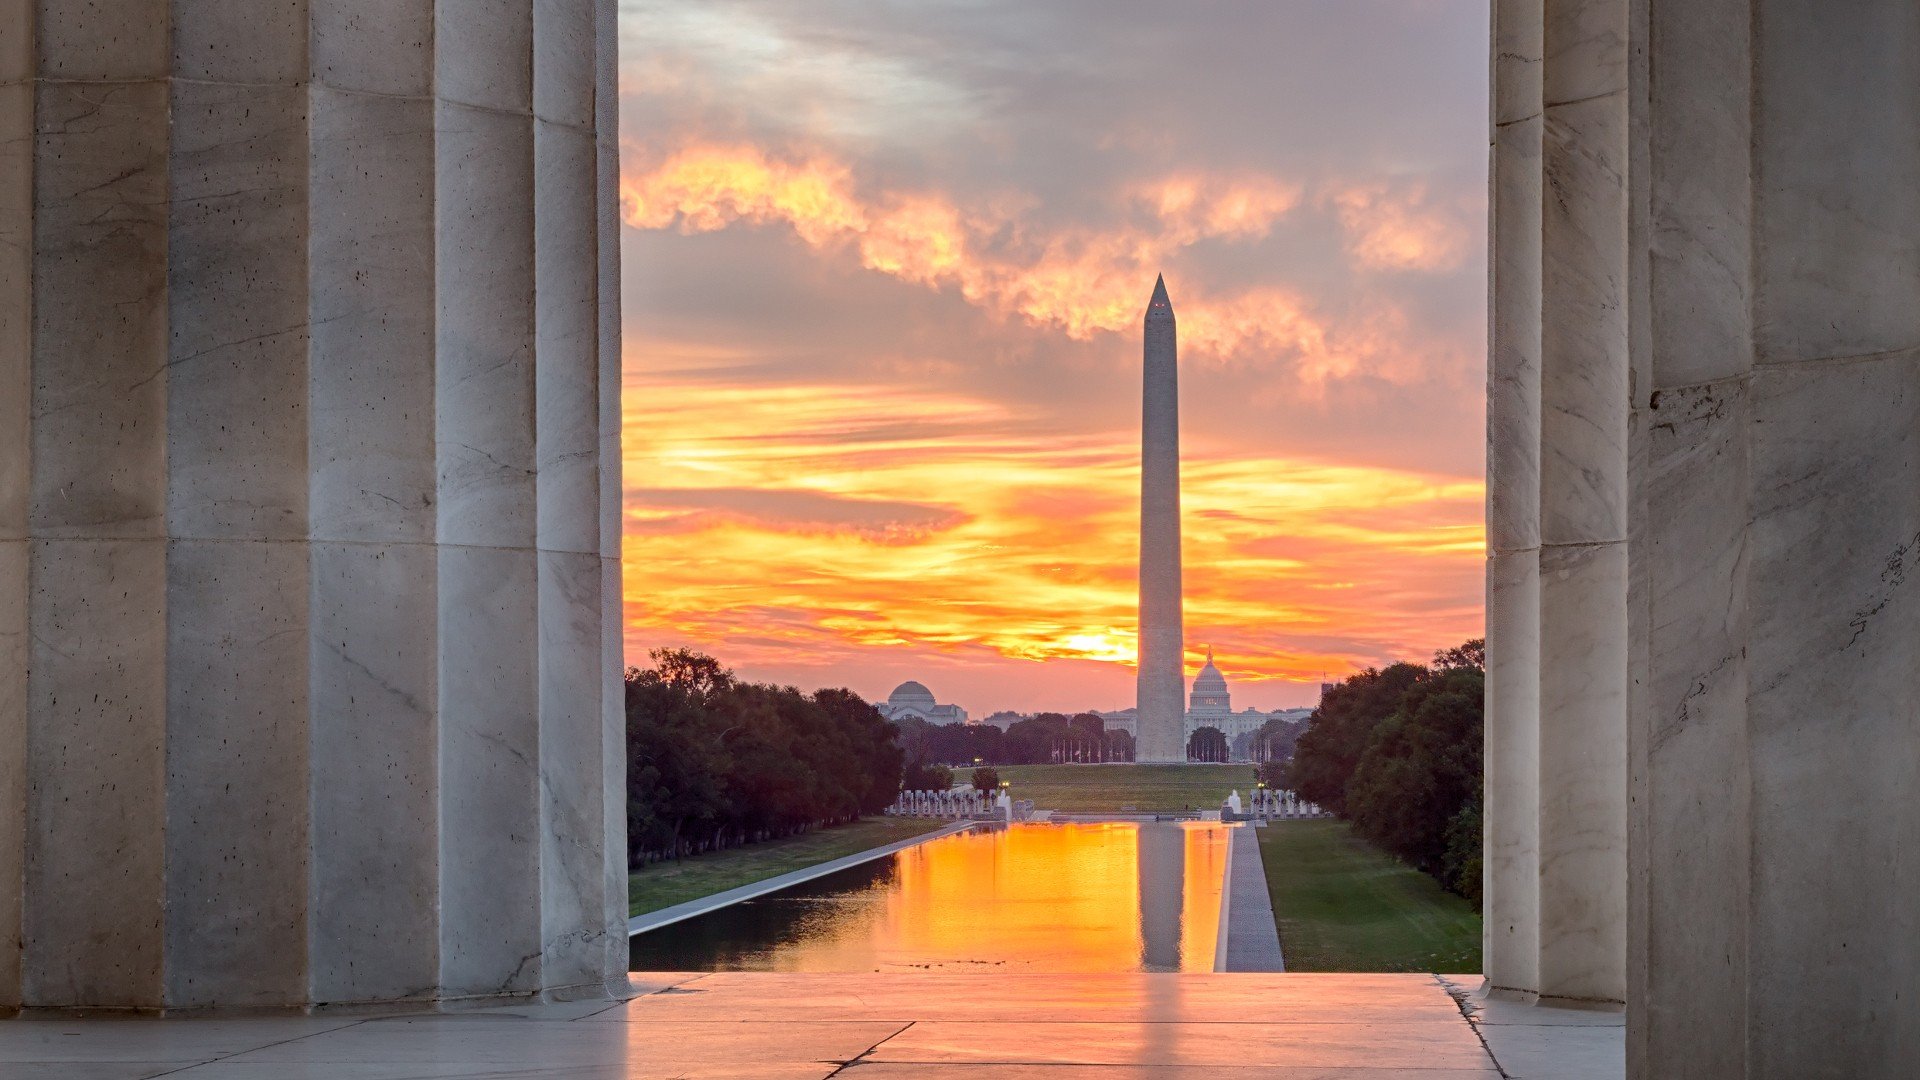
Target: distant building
1003 719
1210 704
911 699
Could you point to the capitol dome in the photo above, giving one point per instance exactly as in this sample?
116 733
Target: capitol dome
912 695
1210 699
1210 679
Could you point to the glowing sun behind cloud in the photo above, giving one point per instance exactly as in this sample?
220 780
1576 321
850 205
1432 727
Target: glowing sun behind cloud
883 365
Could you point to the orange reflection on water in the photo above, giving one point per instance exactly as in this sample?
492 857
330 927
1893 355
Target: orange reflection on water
1063 892
1205 878
1113 896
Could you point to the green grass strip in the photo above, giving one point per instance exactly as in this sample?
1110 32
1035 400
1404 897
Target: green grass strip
1146 788
664 884
1341 905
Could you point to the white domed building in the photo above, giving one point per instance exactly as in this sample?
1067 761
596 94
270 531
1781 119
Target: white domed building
912 699
1211 705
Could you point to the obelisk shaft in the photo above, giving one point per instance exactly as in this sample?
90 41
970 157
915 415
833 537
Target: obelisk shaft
1159 689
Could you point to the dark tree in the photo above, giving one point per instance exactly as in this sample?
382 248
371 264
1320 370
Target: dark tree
1037 740
1086 738
916 737
1275 740
1421 768
1207 744
1468 654
1340 729
966 744
985 778
713 762
920 776
1398 752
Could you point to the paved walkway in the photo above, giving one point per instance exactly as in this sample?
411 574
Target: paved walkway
934 1025
1253 942
667 916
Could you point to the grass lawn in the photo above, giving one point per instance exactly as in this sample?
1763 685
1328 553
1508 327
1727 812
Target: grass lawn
1112 787
1341 905
664 884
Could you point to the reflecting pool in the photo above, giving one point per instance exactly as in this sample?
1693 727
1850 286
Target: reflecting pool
1104 896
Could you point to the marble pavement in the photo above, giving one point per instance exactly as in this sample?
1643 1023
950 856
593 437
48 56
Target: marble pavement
923 1024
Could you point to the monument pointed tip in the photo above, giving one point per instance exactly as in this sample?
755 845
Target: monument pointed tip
1159 303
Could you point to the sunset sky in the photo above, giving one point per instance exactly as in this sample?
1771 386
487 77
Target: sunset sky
885 266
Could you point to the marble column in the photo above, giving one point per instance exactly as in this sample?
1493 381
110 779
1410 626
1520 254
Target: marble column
1557 504
309 552
1512 790
1730 245
16 442
1583 484
1778 802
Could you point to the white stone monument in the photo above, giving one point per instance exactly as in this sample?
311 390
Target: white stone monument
1160 681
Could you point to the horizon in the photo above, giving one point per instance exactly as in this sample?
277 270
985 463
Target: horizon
882 366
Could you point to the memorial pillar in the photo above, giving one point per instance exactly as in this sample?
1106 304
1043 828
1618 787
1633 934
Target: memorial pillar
1729 313
1776 807
309 551
1512 790
1557 459
1583 487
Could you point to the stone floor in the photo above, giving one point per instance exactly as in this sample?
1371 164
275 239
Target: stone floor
872 1027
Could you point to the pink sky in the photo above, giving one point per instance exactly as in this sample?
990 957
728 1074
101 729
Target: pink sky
885 267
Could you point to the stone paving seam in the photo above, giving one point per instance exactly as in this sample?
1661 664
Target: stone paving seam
864 1054
254 1049
1458 996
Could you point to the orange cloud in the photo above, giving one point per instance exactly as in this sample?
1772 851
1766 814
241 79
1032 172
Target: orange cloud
1195 207
1079 281
801 525
1401 229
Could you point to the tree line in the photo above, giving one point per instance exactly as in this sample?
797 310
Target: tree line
1041 739
713 762
1397 751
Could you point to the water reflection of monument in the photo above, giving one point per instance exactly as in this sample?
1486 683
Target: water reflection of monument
1162 853
1092 896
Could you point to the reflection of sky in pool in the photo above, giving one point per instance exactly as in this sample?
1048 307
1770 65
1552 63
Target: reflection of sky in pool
1081 897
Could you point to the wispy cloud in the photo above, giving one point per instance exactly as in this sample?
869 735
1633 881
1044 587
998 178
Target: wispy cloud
1404 227
856 542
1081 282
885 268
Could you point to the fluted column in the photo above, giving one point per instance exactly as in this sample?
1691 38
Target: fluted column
1776 809
1557 503
238 702
1691 791
489 649
611 673
1583 506
310 317
1512 800
1733 247
16 455
95 844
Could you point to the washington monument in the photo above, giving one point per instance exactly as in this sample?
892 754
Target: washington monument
1160 698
